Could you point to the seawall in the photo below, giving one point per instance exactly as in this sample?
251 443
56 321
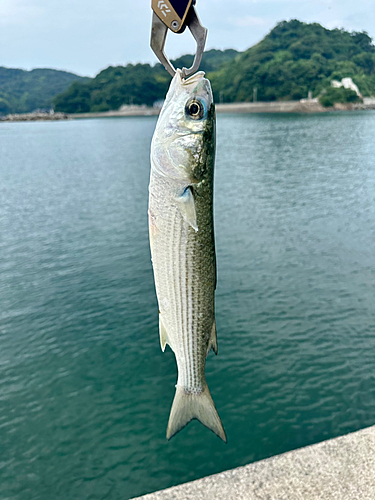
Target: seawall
342 468
304 106
238 107
271 107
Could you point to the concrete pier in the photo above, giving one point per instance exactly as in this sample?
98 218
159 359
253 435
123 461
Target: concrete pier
339 469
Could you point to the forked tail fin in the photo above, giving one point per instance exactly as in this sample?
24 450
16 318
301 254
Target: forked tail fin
189 405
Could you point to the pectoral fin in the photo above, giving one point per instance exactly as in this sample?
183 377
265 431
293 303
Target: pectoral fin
163 334
213 339
186 205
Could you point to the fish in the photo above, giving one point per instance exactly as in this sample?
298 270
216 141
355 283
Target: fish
181 231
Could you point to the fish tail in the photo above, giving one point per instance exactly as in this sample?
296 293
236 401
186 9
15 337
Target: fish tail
188 405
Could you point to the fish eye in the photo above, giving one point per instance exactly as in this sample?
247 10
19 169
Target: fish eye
195 109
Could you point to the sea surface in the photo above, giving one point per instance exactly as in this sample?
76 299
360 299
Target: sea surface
85 391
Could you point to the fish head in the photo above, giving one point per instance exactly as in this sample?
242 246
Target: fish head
185 133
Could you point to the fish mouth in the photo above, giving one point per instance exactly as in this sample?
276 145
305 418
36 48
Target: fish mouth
191 85
191 80
198 81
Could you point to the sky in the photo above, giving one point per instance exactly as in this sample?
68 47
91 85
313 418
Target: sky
86 36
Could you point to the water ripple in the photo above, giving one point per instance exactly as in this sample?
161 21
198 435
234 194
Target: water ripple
85 391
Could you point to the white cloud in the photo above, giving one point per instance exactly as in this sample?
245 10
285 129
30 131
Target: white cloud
18 12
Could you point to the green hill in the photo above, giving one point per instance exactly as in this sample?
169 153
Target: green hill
24 91
294 58
132 84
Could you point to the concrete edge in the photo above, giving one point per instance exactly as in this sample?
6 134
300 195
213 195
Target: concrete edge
342 468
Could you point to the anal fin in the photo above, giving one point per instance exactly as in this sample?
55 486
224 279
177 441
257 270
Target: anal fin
163 334
213 339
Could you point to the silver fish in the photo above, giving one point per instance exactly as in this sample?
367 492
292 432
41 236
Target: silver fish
182 243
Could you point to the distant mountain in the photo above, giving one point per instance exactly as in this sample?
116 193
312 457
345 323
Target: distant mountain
291 60
295 58
132 84
24 91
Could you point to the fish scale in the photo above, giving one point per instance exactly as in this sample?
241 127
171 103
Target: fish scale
182 243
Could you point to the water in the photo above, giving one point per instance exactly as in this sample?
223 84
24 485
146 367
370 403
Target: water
85 390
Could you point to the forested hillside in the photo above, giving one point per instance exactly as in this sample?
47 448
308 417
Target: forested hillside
24 91
294 58
291 60
132 84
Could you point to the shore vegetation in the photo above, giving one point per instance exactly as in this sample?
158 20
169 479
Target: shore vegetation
293 61
131 84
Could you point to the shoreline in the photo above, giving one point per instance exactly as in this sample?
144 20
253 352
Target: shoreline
303 106
34 117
